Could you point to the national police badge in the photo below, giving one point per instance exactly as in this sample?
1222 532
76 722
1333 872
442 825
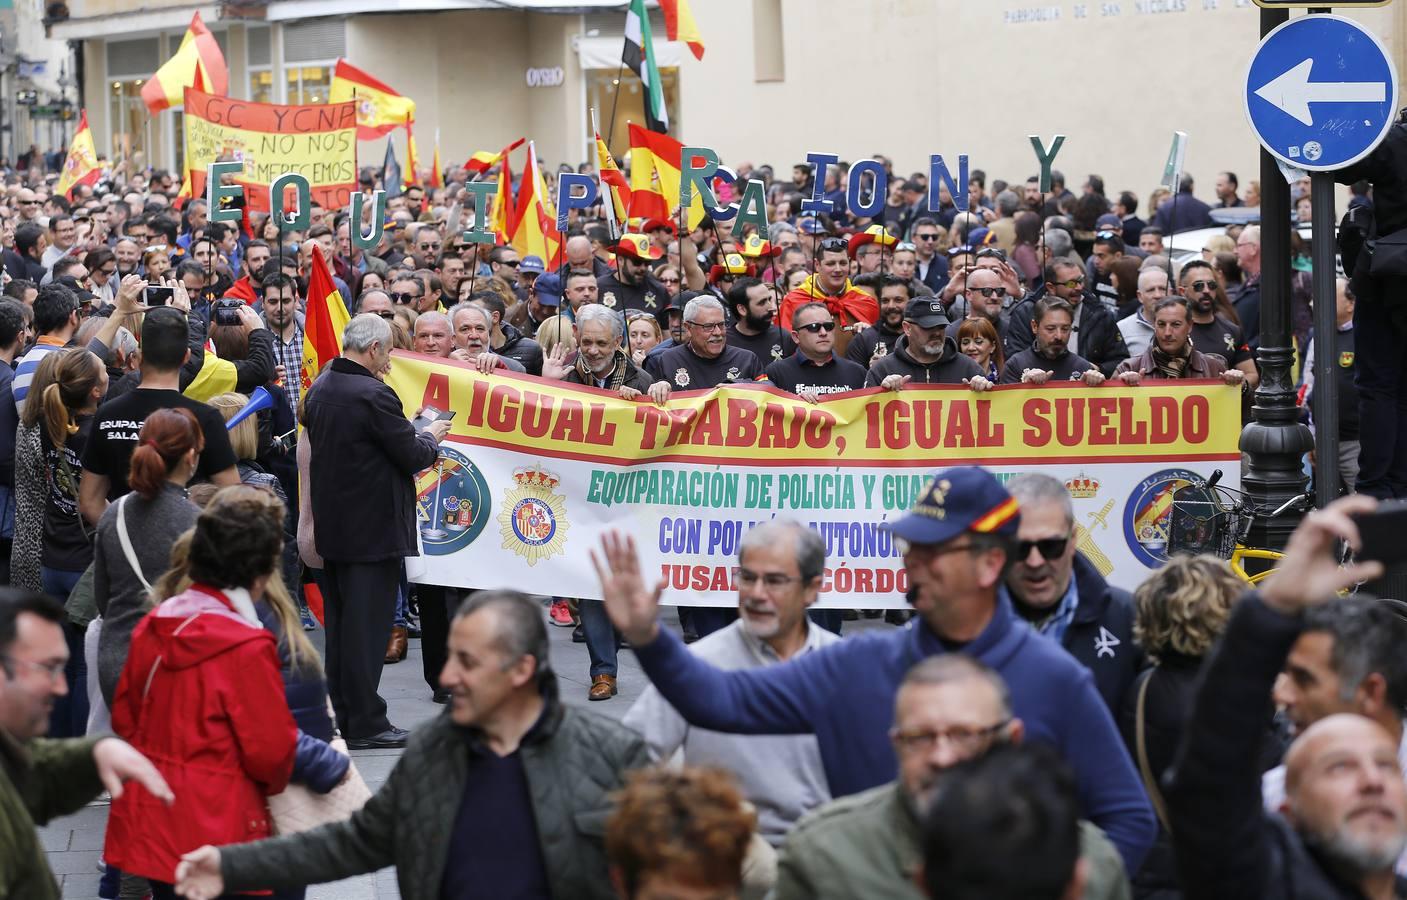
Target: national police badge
681 377
609 300
534 516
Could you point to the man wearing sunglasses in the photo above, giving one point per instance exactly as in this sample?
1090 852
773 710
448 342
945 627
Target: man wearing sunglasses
925 354
1210 332
631 285
503 261
853 309
1061 594
1094 333
813 370
932 266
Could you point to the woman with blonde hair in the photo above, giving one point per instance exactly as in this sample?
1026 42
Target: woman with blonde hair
554 330
643 334
1179 612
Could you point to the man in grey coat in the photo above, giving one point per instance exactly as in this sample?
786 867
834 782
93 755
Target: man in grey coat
507 745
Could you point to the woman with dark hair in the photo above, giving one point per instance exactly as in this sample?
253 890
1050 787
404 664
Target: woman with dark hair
1024 255
202 698
153 516
1123 275
977 339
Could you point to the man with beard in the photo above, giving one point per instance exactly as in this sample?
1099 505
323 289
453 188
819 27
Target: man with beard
754 307
1343 824
780 566
1171 355
631 286
506 340
1210 332
949 709
925 353
1049 358
704 360
473 330
830 284
814 370
877 341
1095 332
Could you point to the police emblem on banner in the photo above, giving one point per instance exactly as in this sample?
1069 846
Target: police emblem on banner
1148 513
452 503
534 516
609 300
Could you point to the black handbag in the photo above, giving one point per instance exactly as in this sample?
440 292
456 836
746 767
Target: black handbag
1388 257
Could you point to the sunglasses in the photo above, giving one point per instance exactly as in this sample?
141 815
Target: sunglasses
990 291
1104 235
404 298
992 253
387 314
512 263
1072 283
959 250
817 327
1050 548
903 246
925 237
1203 285
669 280
834 245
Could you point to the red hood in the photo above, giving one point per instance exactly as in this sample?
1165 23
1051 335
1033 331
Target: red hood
196 625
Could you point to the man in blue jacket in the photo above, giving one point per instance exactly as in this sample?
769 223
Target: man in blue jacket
957 543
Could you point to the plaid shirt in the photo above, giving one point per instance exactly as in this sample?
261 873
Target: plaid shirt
290 356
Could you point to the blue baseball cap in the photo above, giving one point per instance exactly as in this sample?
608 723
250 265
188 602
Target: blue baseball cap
963 498
532 264
548 289
811 226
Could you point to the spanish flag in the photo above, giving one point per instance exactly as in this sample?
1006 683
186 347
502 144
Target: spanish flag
482 161
437 172
198 63
81 166
380 110
326 319
655 173
679 25
535 232
504 220
613 181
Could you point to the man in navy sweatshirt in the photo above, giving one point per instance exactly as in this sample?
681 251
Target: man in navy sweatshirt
956 544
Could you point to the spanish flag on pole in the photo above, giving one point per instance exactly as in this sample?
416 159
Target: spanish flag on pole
326 319
613 180
198 63
655 173
679 25
535 232
437 172
380 110
81 166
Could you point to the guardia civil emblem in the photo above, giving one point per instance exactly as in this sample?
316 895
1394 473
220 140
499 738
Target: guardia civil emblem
650 301
681 377
732 374
776 351
609 300
534 516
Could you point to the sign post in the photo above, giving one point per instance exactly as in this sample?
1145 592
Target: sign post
1320 94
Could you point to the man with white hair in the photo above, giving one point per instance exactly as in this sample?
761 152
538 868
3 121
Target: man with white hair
704 360
1137 329
364 454
473 335
433 335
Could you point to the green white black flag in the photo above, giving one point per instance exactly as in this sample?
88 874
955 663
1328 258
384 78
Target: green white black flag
639 56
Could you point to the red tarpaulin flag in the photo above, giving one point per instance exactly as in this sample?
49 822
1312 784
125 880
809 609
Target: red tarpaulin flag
198 57
81 166
679 25
380 110
326 318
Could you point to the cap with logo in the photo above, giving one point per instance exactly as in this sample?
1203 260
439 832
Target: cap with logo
733 266
548 289
637 247
756 247
875 234
656 224
926 312
962 498
532 265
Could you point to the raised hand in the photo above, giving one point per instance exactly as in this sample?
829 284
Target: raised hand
634 607
1309 573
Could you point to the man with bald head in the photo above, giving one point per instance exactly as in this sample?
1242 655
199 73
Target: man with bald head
581 256
1343 823
1137 329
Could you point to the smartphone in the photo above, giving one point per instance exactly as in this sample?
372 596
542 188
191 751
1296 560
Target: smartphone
1381 533
428 415
160 295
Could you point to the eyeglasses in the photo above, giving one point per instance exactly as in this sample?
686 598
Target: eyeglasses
708 326
963 738
669 280
108 272
817 327
1050 548
55 670
992 253
834 245
990 291
1072 283
772 581
387 314
404 298
1104 235
509 262
1203 285
926 237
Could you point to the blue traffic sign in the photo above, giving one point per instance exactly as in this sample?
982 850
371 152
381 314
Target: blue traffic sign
1321 92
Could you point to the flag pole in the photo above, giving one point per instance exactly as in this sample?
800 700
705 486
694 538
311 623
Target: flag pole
611 132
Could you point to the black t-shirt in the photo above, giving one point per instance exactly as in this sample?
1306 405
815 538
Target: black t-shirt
66 546
768 346
119 422
1222 338
649 295
872 345
685 370
1069 367
796 373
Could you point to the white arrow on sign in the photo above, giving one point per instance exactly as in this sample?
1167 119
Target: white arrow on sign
1292 92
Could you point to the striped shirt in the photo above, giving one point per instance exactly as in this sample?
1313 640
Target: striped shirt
29 364
289 354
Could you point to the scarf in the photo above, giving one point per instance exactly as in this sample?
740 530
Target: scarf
1168 365
613 381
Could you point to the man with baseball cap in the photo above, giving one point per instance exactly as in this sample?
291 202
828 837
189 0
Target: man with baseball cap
529 268
543 303
631 286
925 353
956 543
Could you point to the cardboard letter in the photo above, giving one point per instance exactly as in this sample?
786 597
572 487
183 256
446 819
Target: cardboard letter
568 199
696 177
814 204
378 220
216 192
1046 157
878 196
752 208
937 169
482 191
302 218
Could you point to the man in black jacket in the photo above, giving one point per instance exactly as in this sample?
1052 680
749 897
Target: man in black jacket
1095 332
364 453
925 353
1344 822
1049 359
1060 592
877 341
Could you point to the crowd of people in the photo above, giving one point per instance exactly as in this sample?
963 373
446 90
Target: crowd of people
1026 730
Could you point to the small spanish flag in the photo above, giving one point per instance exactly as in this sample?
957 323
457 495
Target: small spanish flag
437 172
380 110
198 63
326 319
613 180
679 25
81 166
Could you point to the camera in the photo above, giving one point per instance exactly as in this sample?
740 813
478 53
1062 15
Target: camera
227 311
159 295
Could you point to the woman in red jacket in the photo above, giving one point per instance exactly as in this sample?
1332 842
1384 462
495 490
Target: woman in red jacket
201 696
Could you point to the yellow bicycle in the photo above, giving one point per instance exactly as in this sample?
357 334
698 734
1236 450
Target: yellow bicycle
1207 518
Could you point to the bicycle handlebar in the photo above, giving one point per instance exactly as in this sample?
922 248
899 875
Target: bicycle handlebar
1297 503
1216 476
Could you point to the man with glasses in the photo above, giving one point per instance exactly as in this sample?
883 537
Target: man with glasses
27 204
949 709
1063 596
879 340
956 543
814 370
1137 329
376 302
925 354
631 285
407 290
102 270
1094 333
704 360
932 266
1210 332
854 310
778 576
503 262
139 231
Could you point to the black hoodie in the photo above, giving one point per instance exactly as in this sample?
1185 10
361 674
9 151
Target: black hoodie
951 368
